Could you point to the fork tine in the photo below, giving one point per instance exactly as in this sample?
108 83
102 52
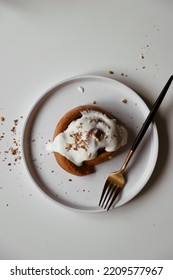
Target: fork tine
112 189
116 193
104 192
107 193
110 185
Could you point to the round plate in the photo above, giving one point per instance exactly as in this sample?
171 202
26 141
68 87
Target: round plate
83 193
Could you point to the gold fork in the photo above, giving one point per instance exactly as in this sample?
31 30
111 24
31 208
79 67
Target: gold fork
116 181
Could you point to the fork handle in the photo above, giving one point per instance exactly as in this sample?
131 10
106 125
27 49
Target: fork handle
151 115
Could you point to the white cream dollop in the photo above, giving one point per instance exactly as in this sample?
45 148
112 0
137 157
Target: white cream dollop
85 136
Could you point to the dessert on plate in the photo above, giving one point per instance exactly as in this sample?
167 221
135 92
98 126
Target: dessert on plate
84 137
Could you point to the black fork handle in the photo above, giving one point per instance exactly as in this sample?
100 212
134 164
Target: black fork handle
151 115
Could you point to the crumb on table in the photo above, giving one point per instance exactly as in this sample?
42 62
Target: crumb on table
2 119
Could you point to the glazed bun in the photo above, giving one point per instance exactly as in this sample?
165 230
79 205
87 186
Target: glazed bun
84 137
88 166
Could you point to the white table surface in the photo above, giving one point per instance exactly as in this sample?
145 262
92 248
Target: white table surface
43 42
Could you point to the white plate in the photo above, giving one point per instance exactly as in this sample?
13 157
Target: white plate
83 193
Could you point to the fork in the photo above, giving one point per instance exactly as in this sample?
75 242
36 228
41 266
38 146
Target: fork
116 181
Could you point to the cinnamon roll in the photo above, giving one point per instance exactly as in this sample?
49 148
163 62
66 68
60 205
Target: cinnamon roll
84 137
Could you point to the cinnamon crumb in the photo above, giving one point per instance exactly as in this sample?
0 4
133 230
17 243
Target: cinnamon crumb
2 119
16 122
124 101
13 151
13 129
111 72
